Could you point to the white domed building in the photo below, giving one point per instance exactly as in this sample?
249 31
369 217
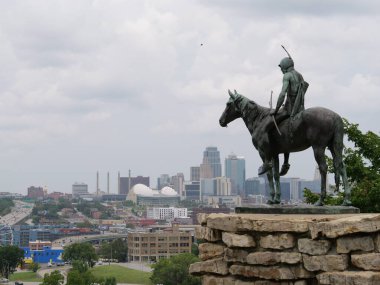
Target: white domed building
143 195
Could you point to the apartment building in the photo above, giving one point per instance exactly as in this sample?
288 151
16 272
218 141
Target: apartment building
146 246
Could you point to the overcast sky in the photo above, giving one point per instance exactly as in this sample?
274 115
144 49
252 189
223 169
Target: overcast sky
113 85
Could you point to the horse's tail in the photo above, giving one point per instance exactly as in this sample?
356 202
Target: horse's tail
336 149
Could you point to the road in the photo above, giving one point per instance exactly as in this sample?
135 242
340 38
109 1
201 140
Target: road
19 212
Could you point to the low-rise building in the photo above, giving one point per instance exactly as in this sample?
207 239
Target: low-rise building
147 246
166 213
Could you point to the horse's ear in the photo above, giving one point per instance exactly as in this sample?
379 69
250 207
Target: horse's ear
231 94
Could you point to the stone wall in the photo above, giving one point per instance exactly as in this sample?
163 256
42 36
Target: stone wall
263 249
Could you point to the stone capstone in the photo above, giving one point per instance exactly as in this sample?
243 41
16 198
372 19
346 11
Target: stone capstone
349 278
348 224
290 272
215 280
271 258
202 218
368 261
325 262
210 250
277 241
204 233
313 247
236 240
215 266
348 244
258 223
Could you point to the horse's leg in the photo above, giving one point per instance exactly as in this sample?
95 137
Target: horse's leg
319 155
276 166
272 191
346 187
285 166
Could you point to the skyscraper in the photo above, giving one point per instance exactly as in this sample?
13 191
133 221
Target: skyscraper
235 170
211 166
195 173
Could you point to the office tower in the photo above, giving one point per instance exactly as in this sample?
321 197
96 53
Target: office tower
177 183
211 166
252 187
235 170
192 190
79 189
163 181
222 186
127 183
35 192
195 173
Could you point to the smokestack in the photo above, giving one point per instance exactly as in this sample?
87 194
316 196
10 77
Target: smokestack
97 183
108 182
129 180
118 183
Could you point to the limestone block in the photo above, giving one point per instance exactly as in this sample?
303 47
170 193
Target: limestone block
348 244
291 272
368 261
258 223
202 218
349 224
377 243
235 240
208 234
215 266
215 280
228 280
349 278
325 262
235 255
210 250
271 258
313 247
277 241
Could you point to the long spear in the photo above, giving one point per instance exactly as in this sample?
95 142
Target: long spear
274 120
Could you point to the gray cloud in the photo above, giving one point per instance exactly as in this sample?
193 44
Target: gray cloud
118 85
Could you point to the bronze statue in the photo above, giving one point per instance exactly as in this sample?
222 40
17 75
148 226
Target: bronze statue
314 127
293 88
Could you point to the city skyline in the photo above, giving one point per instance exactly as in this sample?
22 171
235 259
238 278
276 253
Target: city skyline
109 86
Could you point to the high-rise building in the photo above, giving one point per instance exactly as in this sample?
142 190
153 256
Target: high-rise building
163 181
177 183
79 189
222 186
211 166
192 190
35 192
127 183
195 173
235 170
252 187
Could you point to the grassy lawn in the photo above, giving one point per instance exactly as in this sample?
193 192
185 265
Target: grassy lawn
122 274
28 276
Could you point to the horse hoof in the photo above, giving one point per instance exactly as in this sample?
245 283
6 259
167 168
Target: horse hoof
270 202
277 201
284 169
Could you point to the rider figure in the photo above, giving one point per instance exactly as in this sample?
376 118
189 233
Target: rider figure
294 89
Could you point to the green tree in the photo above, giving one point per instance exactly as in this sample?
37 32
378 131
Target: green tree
10 257
84 252
117 249
175 270
34 266
363 168
54 278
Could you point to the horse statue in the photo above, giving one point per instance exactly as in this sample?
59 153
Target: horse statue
314 127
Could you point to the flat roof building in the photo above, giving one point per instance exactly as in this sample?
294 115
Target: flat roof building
145 246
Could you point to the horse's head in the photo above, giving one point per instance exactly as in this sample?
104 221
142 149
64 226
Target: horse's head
233 109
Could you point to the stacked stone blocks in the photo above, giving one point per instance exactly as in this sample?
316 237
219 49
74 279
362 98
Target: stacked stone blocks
258 249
